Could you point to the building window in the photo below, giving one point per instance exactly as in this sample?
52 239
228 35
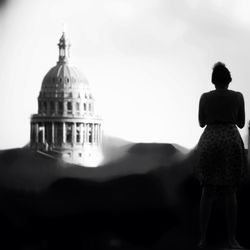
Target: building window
68 132
90 136
62 52
58 133
52 107
60 107
48 132
83 132
69 107
33 132
44 107
39 107
41 133
84 107
78 133
77 106
89 106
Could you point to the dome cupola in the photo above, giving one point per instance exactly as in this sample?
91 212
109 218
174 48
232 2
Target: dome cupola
64 47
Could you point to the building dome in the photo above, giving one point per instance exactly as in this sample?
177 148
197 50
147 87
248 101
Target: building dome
64 79
64 76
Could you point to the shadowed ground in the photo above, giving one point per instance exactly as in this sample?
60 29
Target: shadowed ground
145 197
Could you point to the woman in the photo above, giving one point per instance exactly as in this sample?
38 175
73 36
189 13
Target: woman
222 161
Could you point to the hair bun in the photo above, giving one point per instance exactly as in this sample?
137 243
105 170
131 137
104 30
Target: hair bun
221 75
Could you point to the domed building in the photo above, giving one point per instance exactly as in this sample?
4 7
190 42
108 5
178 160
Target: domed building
66 125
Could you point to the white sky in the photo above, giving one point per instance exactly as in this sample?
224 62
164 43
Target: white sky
147 61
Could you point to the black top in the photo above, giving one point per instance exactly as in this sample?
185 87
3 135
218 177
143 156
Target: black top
222 106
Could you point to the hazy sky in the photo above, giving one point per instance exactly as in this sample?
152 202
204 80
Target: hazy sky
147 61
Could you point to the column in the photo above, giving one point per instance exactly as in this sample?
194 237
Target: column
52 133
73 107
84 132
56 107
96 133
81 133
48 108
64 108
93 133
64 133
96 137
55 133
43 132
36 131
99 133
87 132
73 140
81 108
32 133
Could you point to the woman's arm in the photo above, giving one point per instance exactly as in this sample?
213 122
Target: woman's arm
202 120
241 112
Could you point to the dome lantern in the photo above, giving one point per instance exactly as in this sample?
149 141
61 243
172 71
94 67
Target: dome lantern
64 47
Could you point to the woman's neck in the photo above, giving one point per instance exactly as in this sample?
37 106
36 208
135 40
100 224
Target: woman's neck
221 88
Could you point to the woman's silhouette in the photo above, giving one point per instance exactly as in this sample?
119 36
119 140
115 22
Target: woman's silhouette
222 161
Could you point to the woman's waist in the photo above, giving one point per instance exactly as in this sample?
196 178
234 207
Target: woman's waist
220 129
221 124
220 120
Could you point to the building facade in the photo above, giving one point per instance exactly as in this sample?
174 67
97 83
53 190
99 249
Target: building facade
66 125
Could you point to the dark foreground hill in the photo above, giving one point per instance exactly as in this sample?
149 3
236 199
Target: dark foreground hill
23 169
145 198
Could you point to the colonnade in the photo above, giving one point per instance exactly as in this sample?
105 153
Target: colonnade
58 133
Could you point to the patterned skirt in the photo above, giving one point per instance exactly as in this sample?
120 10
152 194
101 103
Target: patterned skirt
221 156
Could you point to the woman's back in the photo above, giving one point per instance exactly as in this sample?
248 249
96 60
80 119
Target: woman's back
222 106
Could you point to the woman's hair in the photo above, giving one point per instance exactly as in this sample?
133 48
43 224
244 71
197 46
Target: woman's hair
221 75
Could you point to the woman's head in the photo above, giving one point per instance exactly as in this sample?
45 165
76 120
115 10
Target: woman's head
221 76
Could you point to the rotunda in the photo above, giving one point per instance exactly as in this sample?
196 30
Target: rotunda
66 125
